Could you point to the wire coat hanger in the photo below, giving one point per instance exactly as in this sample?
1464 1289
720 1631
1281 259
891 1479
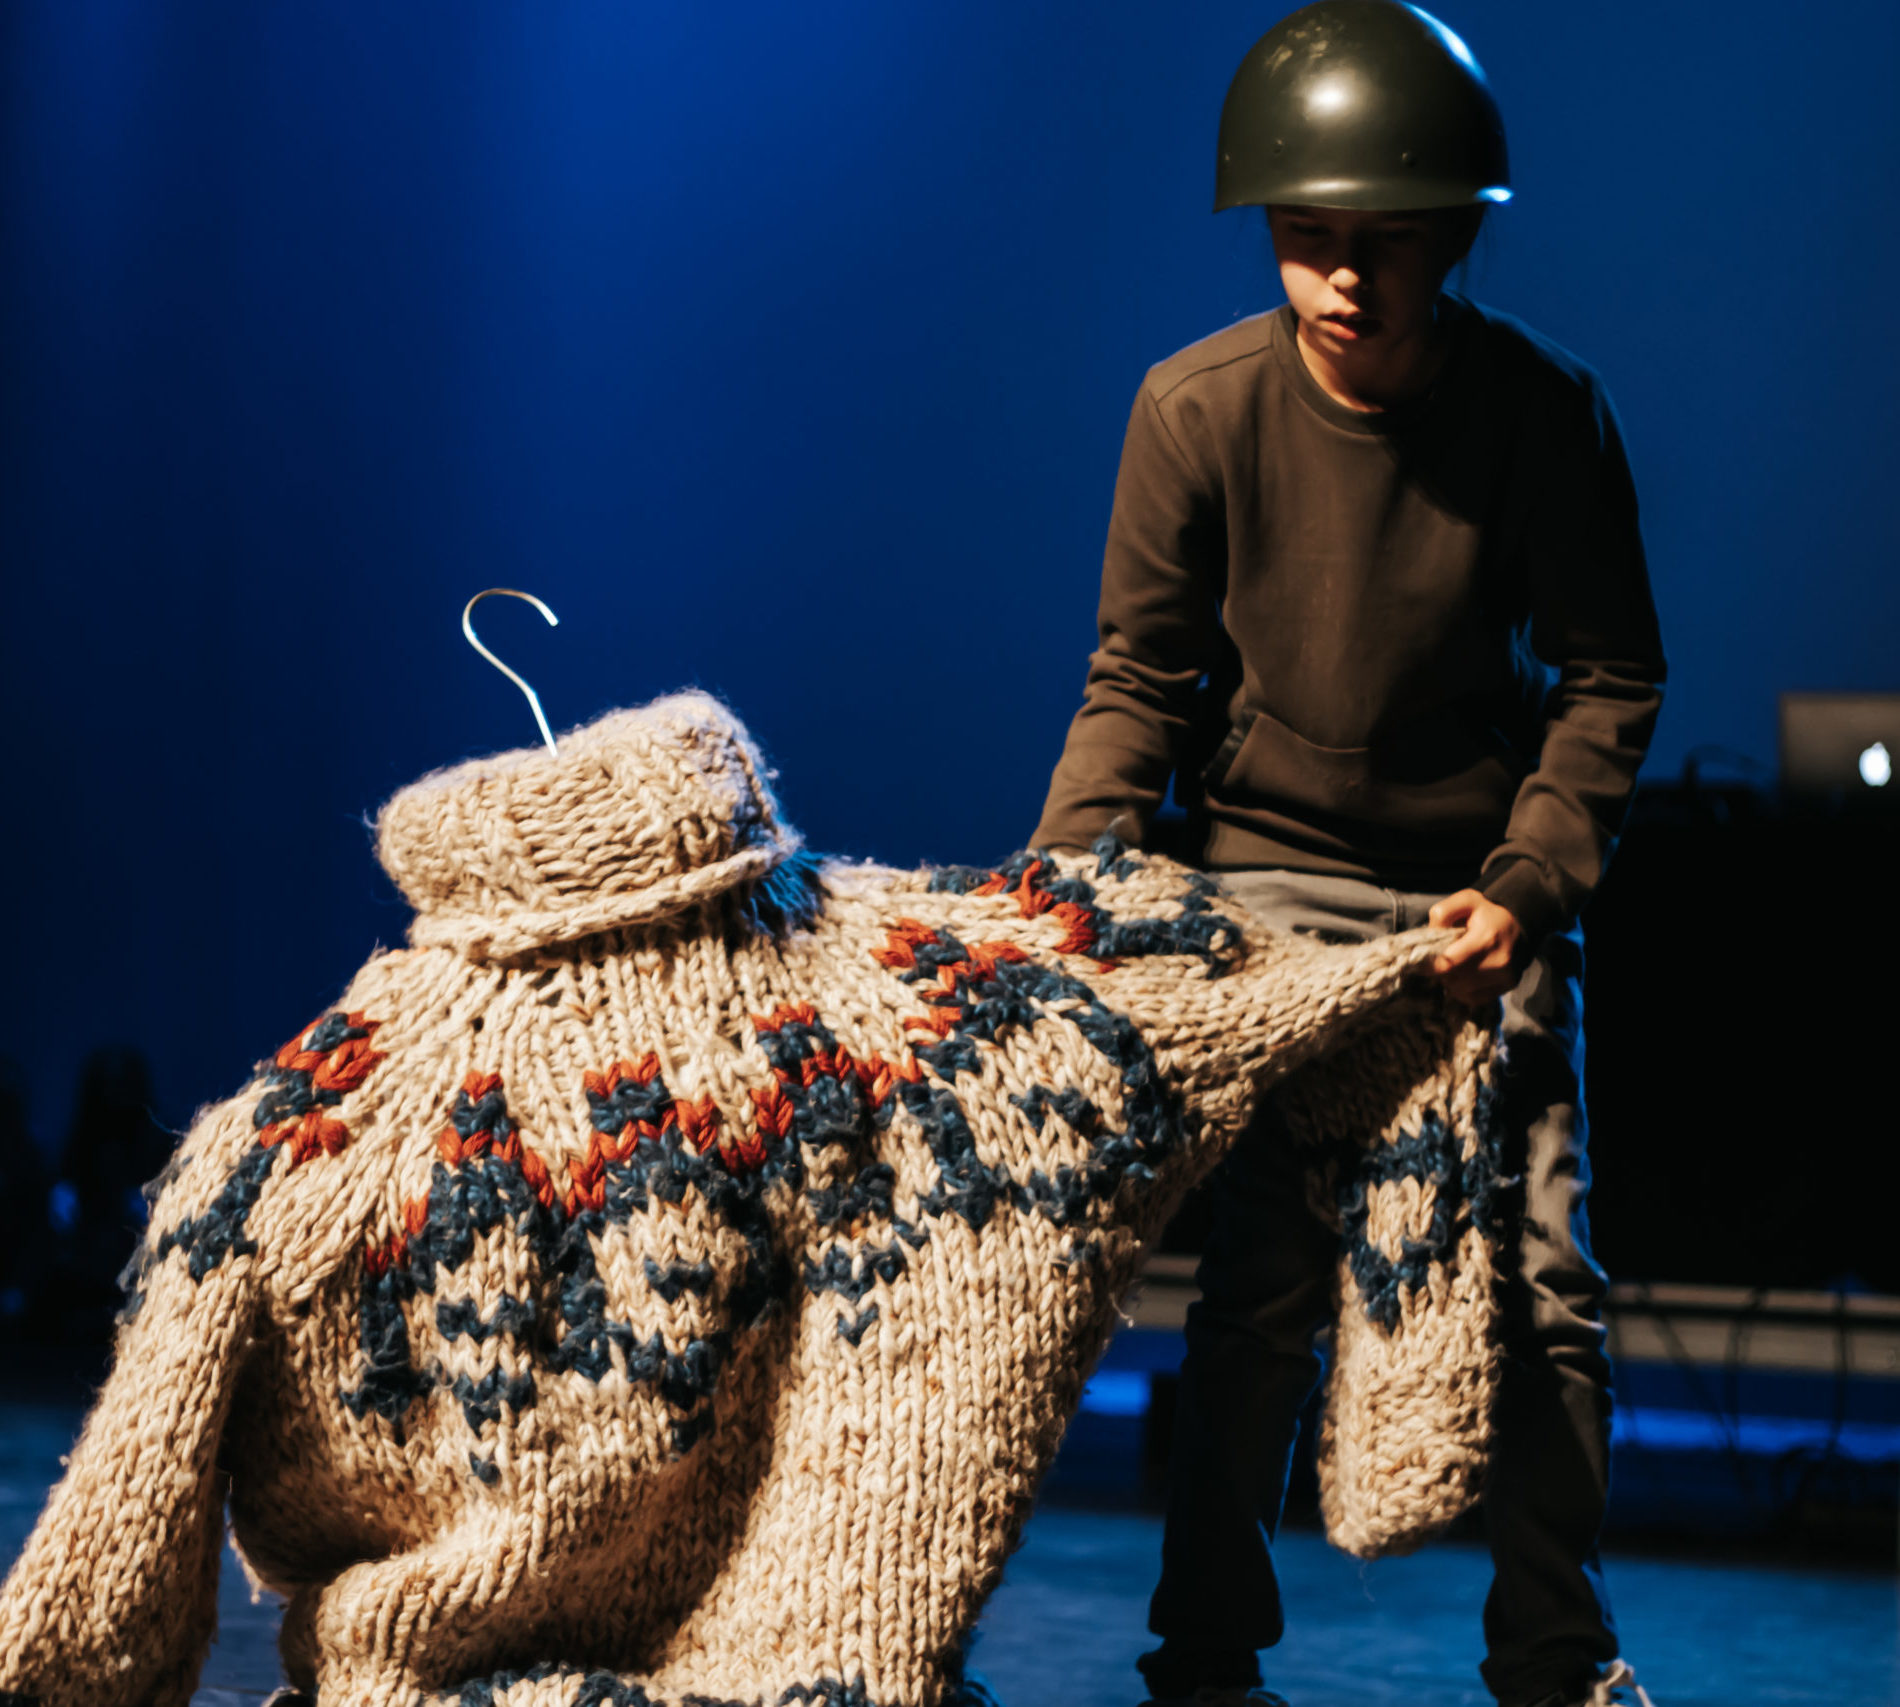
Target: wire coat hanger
468 631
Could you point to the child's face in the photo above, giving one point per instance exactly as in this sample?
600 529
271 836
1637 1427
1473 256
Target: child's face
1363 283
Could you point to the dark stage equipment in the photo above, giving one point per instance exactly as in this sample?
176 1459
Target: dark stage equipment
1740 1016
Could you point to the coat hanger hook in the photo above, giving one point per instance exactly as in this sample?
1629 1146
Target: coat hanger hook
468 630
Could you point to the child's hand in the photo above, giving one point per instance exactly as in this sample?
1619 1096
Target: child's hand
1488 959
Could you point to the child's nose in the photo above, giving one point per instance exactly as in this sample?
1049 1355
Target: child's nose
1355 259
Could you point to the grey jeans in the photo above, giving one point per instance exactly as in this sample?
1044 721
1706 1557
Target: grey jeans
1266 1281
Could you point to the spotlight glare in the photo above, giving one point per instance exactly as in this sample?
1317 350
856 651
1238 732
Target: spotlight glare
1329 96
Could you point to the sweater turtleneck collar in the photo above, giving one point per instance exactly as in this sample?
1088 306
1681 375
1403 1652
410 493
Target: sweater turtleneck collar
640 816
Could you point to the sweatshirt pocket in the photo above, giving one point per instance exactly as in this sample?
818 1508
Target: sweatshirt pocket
1264 757
1215 772
1438 775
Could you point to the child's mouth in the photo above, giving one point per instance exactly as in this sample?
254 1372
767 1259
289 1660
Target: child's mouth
1353 325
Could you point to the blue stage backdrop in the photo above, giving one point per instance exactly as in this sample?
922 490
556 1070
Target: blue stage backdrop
785 349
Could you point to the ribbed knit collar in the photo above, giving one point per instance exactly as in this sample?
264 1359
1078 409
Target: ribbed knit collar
640 816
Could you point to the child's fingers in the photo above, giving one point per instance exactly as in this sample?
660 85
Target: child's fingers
1485 977
1454 909
1467 948
1480 983
1479 949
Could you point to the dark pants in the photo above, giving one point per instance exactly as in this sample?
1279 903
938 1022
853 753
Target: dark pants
1267 1288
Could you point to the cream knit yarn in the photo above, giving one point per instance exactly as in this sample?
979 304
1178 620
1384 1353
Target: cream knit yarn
668 1280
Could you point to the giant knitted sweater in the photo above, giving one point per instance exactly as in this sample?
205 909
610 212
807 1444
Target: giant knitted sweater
668 1278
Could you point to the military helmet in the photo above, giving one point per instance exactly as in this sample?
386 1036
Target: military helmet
1367 104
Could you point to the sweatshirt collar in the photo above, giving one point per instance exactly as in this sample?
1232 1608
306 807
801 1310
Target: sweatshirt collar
638 818
1462 319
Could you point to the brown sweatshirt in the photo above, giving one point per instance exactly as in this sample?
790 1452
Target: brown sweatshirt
1416 645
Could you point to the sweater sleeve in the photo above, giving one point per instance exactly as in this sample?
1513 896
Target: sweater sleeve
1227 1004
1593 620
113 1601
1158 625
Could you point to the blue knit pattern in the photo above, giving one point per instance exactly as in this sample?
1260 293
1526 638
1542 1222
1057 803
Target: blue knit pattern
823 1108
1466 1193
310 1075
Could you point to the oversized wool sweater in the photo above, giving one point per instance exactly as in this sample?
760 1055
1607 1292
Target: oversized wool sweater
668 1278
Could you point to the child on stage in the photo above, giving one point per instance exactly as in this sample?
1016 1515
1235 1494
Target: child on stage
1375 598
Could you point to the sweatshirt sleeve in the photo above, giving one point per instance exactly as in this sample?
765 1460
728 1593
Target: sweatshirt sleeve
1592 620
1158 625
113 1601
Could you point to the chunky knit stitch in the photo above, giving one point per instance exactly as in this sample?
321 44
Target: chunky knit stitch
668 1279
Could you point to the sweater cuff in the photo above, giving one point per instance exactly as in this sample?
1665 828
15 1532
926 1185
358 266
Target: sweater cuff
1519 886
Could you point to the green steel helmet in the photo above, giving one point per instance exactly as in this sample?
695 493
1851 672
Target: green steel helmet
1366 104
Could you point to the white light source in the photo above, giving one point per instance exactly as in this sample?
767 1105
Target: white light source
1876 766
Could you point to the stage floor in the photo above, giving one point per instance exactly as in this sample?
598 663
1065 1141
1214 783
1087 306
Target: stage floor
1068 1622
